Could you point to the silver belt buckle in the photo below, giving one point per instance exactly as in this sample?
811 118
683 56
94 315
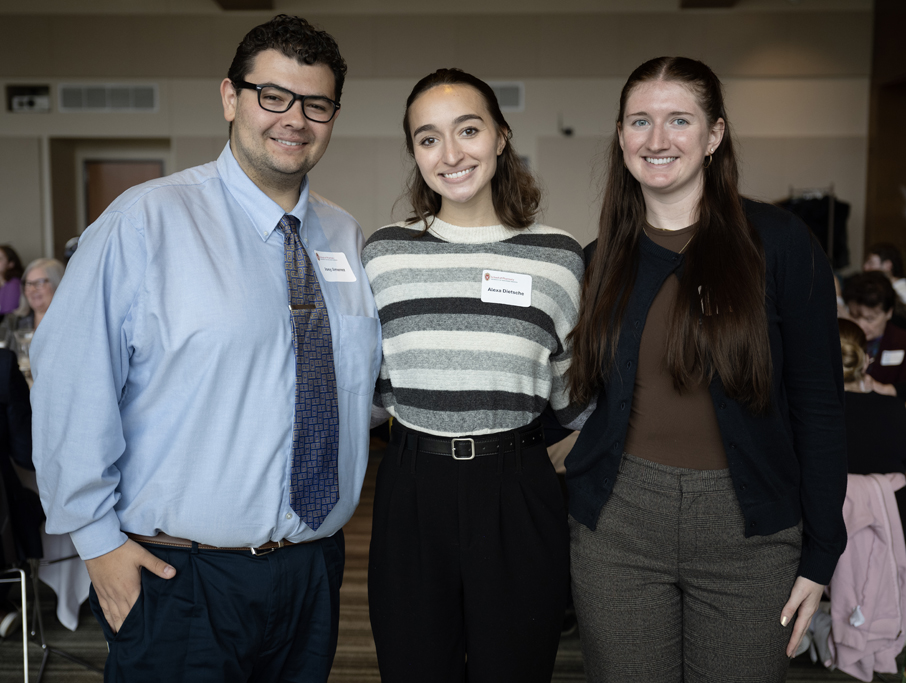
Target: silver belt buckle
453 449
257 552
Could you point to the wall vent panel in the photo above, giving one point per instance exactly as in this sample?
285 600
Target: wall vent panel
510 94
108 97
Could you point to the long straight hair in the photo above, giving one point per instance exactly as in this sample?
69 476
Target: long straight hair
516 195
718 324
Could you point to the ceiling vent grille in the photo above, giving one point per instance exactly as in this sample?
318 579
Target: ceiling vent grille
108 97
510 94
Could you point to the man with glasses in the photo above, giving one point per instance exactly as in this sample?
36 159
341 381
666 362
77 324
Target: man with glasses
203 390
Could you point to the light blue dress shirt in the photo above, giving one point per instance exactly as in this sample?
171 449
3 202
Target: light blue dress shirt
164 368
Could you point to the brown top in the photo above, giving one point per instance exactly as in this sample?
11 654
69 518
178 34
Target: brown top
679 430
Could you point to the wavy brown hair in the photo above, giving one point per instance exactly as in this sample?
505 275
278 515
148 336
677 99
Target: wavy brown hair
720 328
516 195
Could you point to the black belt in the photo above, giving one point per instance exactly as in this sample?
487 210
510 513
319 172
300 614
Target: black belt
468 447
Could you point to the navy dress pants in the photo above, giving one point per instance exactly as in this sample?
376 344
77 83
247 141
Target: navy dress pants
230 616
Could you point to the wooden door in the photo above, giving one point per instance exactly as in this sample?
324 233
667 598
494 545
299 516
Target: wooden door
105 180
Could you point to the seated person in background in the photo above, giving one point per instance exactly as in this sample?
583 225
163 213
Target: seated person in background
26 514
39 282
842 311
869 299
10 284
875 424
886 258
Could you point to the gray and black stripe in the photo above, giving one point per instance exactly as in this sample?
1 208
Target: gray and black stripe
454 365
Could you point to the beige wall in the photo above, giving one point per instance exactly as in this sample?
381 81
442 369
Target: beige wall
797 91
752 44
21 209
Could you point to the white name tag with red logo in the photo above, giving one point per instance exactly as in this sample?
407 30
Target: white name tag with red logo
334 266
892 357
511 289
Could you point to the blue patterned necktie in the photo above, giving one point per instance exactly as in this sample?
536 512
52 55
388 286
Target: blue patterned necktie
314 486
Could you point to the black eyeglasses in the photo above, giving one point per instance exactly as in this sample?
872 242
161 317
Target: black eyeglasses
40 283
278 100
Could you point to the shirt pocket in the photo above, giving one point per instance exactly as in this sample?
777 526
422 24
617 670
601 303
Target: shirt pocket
359 339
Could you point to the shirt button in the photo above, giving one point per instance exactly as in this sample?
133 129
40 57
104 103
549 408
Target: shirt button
606 482
732 446
753 524
266 233
628 364
622 405
289 515
742 487
723 405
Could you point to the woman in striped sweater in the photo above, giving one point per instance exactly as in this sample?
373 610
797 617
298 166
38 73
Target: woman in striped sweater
468 572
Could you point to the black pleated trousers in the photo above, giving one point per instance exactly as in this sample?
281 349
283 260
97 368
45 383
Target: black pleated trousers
469 568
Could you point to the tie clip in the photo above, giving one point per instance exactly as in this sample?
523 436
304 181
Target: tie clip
302 307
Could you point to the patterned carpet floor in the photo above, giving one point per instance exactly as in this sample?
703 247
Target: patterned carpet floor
355 661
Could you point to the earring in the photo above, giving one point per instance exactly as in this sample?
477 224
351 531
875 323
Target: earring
710 158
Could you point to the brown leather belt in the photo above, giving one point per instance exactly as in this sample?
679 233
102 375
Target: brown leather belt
173 542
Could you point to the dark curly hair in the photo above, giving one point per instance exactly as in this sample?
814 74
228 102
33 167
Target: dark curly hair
295 38
516 195
14 263
870 289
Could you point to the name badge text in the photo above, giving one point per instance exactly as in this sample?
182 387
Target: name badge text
334 266
511 289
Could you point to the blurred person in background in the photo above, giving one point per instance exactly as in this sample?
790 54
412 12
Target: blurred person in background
875 423
886 258
25 510
39 282
10 279
870 301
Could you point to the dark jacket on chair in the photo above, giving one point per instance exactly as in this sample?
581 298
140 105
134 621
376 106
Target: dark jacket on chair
15 446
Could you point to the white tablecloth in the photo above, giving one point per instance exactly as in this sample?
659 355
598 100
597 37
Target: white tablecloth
68 578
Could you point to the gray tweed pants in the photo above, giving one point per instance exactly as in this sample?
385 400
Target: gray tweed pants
668 589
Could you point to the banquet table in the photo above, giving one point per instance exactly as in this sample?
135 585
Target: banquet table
61 568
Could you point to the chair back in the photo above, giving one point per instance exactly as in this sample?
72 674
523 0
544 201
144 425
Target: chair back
8 555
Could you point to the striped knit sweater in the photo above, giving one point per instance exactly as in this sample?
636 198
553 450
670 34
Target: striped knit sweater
454 365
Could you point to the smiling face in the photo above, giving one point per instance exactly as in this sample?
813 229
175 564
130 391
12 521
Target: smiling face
277 150
665 137
38 290
456 144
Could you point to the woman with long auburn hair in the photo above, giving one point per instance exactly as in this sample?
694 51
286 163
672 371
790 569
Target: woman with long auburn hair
706 489
468 572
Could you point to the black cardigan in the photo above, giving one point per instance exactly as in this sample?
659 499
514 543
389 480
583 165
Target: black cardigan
787 465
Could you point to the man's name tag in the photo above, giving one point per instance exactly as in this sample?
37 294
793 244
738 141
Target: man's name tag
892 357
334 266
512 289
